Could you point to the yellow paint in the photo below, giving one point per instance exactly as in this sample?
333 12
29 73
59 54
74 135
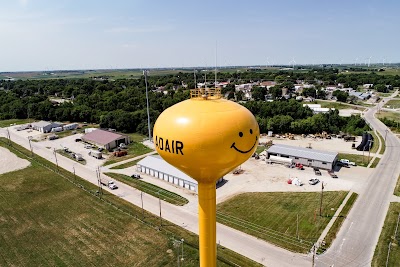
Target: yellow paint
206 139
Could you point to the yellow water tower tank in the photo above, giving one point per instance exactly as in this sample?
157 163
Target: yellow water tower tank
206 137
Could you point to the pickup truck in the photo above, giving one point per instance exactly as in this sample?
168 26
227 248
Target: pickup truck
109 183
348 162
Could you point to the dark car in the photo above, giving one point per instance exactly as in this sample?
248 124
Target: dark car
135 175
317 171
78 140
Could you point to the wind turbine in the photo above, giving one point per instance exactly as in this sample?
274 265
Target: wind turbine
369 61
267 63
355 63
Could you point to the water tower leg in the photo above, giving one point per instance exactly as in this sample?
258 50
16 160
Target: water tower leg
207 224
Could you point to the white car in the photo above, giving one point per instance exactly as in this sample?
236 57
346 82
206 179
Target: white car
348 162
112 185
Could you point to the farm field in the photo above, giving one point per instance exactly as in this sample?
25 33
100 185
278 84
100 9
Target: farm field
388 235
273 216
60 224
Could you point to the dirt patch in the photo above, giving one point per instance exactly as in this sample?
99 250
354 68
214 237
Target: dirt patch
10 162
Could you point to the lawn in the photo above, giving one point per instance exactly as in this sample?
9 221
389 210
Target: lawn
127 164
273 216
50 218
339 221
375 144
395 116
68 155
397 189
134 149
150 189
6 123
360 160
335 105
260 149
383 146
388 236
393 104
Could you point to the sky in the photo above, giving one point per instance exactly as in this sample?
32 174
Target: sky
69 34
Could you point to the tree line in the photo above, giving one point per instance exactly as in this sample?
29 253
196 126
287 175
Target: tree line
121 104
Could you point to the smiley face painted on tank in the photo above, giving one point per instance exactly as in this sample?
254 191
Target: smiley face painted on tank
245 135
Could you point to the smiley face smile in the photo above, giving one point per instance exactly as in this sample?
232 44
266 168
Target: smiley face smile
241 151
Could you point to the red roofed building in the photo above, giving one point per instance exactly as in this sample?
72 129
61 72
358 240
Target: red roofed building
106 139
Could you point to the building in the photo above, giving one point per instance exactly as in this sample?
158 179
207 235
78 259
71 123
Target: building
106 139
157 167
360 95
306 156
45 126
316 108
71 126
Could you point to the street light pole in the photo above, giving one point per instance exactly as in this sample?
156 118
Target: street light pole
55 155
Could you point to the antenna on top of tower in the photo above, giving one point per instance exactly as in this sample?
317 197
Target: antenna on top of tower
216 53
194 74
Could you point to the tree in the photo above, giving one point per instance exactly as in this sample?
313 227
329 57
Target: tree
381 88
275 91
340 95
258 93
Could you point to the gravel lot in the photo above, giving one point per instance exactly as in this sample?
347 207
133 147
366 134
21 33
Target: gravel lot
10 162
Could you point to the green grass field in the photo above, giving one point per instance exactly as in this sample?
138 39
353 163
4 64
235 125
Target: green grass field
397 188
388 236
375 144
339 221
134 149
7 123
273 216
127 164
335 105
360 160
50 218
395 116
150 189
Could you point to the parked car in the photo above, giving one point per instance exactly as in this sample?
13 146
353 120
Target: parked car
313 181
78 140
135 175
88 146
348 162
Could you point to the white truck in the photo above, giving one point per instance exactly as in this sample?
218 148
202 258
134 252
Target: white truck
109 183
347 162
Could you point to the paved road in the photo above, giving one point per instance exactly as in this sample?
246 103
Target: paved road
356 241
253 248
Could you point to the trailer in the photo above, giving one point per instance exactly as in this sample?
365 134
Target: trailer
281 160
96 154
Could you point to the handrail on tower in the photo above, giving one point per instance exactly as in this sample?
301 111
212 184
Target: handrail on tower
206 93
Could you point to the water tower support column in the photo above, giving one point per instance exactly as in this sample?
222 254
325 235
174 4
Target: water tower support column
207 224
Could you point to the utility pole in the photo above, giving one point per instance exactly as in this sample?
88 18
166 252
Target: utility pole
55 155
147 102
182 240
297 228
322 196
313 255
141 197
30 145
73 167
159 203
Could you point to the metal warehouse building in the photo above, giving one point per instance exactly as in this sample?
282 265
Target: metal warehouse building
159 168
106 139
306 156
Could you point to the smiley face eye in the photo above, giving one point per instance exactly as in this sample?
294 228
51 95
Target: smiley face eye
251 131
240 134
